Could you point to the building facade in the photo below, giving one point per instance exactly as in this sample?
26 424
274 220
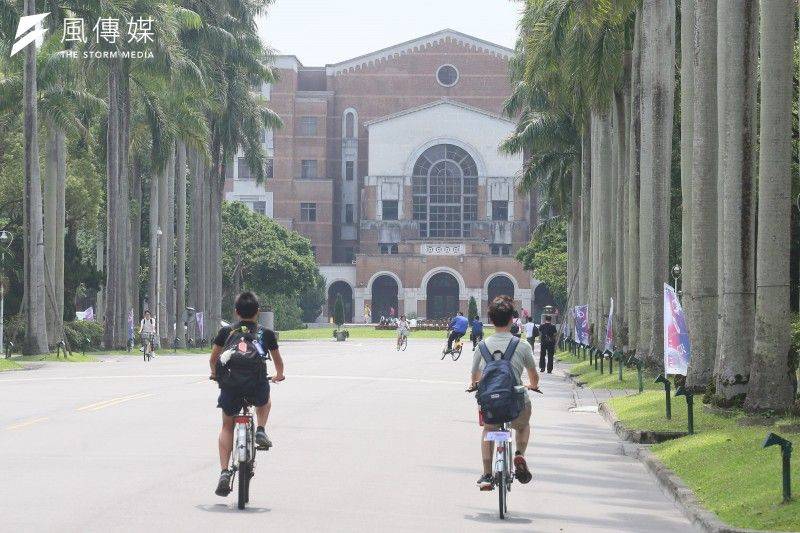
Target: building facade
389 163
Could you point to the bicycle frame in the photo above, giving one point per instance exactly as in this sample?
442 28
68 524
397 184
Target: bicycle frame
243 439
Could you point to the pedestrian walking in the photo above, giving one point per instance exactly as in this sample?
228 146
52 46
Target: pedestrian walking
548 347
531 331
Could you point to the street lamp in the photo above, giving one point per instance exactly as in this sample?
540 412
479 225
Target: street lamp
6 238
159 233
676 275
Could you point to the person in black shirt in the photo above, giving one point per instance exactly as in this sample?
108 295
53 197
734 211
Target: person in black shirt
230 402
548 344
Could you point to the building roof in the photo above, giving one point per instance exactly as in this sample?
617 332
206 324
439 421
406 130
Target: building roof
291 61
435 103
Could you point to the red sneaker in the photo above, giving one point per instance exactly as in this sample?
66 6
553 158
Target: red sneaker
521 471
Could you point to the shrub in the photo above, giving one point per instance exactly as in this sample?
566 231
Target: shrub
288 314
78 331
338 311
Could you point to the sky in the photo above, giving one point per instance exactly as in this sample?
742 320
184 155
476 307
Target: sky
319 32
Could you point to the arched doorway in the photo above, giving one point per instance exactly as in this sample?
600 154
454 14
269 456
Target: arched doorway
343 288
384 297
442 296
542 297
499 286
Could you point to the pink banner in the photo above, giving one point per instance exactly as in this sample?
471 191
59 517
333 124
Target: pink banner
677 350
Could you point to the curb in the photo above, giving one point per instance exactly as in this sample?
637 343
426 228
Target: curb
671 483
637 436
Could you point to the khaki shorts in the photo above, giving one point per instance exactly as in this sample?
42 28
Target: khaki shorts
519 423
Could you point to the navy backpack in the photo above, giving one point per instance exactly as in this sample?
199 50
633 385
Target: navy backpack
498 399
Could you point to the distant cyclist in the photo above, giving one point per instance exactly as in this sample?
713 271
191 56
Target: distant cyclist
458 327
147 331
402 330
476 333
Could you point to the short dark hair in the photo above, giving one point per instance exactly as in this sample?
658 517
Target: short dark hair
147 311
548 318
246 305
477 317
500 311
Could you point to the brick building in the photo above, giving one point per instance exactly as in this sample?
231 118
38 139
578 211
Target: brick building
389 163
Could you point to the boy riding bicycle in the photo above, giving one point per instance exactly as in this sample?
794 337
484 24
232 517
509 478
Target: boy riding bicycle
228 341
501 312
147 332
458 327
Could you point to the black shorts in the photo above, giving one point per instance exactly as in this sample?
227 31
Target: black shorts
231 402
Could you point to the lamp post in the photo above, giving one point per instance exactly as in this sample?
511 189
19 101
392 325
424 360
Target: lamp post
159 233
5 242
676 275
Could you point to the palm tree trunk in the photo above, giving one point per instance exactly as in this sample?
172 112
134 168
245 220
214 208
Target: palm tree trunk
605 207
619 210
180 277
136 237
584 264
738 33
169 285
54 182
703 308
124 226
163 220
687 136
770 387
658 87
596 275
152 303
198 256
634 151
575 229
34 278
112 205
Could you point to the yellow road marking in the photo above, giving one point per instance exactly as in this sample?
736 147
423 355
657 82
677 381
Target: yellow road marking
113 401
28 423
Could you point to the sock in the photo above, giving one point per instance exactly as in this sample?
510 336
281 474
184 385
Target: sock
517 453
260 428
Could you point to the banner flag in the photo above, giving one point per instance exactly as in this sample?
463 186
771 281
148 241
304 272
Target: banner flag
677 350
609 346
582 324
88 314
565 330
199 319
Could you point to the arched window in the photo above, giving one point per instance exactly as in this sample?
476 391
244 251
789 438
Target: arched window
349 127
445 192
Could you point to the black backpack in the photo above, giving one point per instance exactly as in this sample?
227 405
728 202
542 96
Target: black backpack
245 367
497 397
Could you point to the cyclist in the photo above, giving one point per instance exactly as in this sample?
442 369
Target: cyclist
501 311
458 327
246 307
147 331
402 330
476 333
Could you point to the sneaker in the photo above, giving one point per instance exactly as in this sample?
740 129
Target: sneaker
224 485
521 471
485 482
262 441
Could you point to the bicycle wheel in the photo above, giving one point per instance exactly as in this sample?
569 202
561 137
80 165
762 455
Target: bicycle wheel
501 494
244 482
457 353
404 344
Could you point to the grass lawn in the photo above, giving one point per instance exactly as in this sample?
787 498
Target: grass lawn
76 357
595 380
365 332
8 364
723 463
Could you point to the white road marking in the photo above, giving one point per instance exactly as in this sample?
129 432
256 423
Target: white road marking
113 401
28 423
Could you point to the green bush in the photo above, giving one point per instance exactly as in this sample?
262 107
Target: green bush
288 314
338 311
472 311
79 331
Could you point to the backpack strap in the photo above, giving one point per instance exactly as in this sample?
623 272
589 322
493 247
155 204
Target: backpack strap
487 357
512 347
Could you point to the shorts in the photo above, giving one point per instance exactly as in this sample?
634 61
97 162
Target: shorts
402 332
231 403
519 423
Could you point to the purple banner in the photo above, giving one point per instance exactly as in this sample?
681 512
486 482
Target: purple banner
677 350
88 314
609 345
582 324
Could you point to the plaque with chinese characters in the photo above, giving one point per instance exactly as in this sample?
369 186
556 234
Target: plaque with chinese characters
442 249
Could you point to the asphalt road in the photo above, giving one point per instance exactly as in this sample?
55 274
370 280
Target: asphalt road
366 439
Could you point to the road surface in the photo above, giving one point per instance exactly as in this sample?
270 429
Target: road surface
366 439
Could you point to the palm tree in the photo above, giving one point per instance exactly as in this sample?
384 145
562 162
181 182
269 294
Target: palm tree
634 147
703 308
687 140
657 106
34 275
738 34
770 387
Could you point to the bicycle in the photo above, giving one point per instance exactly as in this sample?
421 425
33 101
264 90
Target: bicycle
147 346
403 344
503 464
455 351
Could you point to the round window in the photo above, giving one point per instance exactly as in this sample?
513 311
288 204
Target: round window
447 75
